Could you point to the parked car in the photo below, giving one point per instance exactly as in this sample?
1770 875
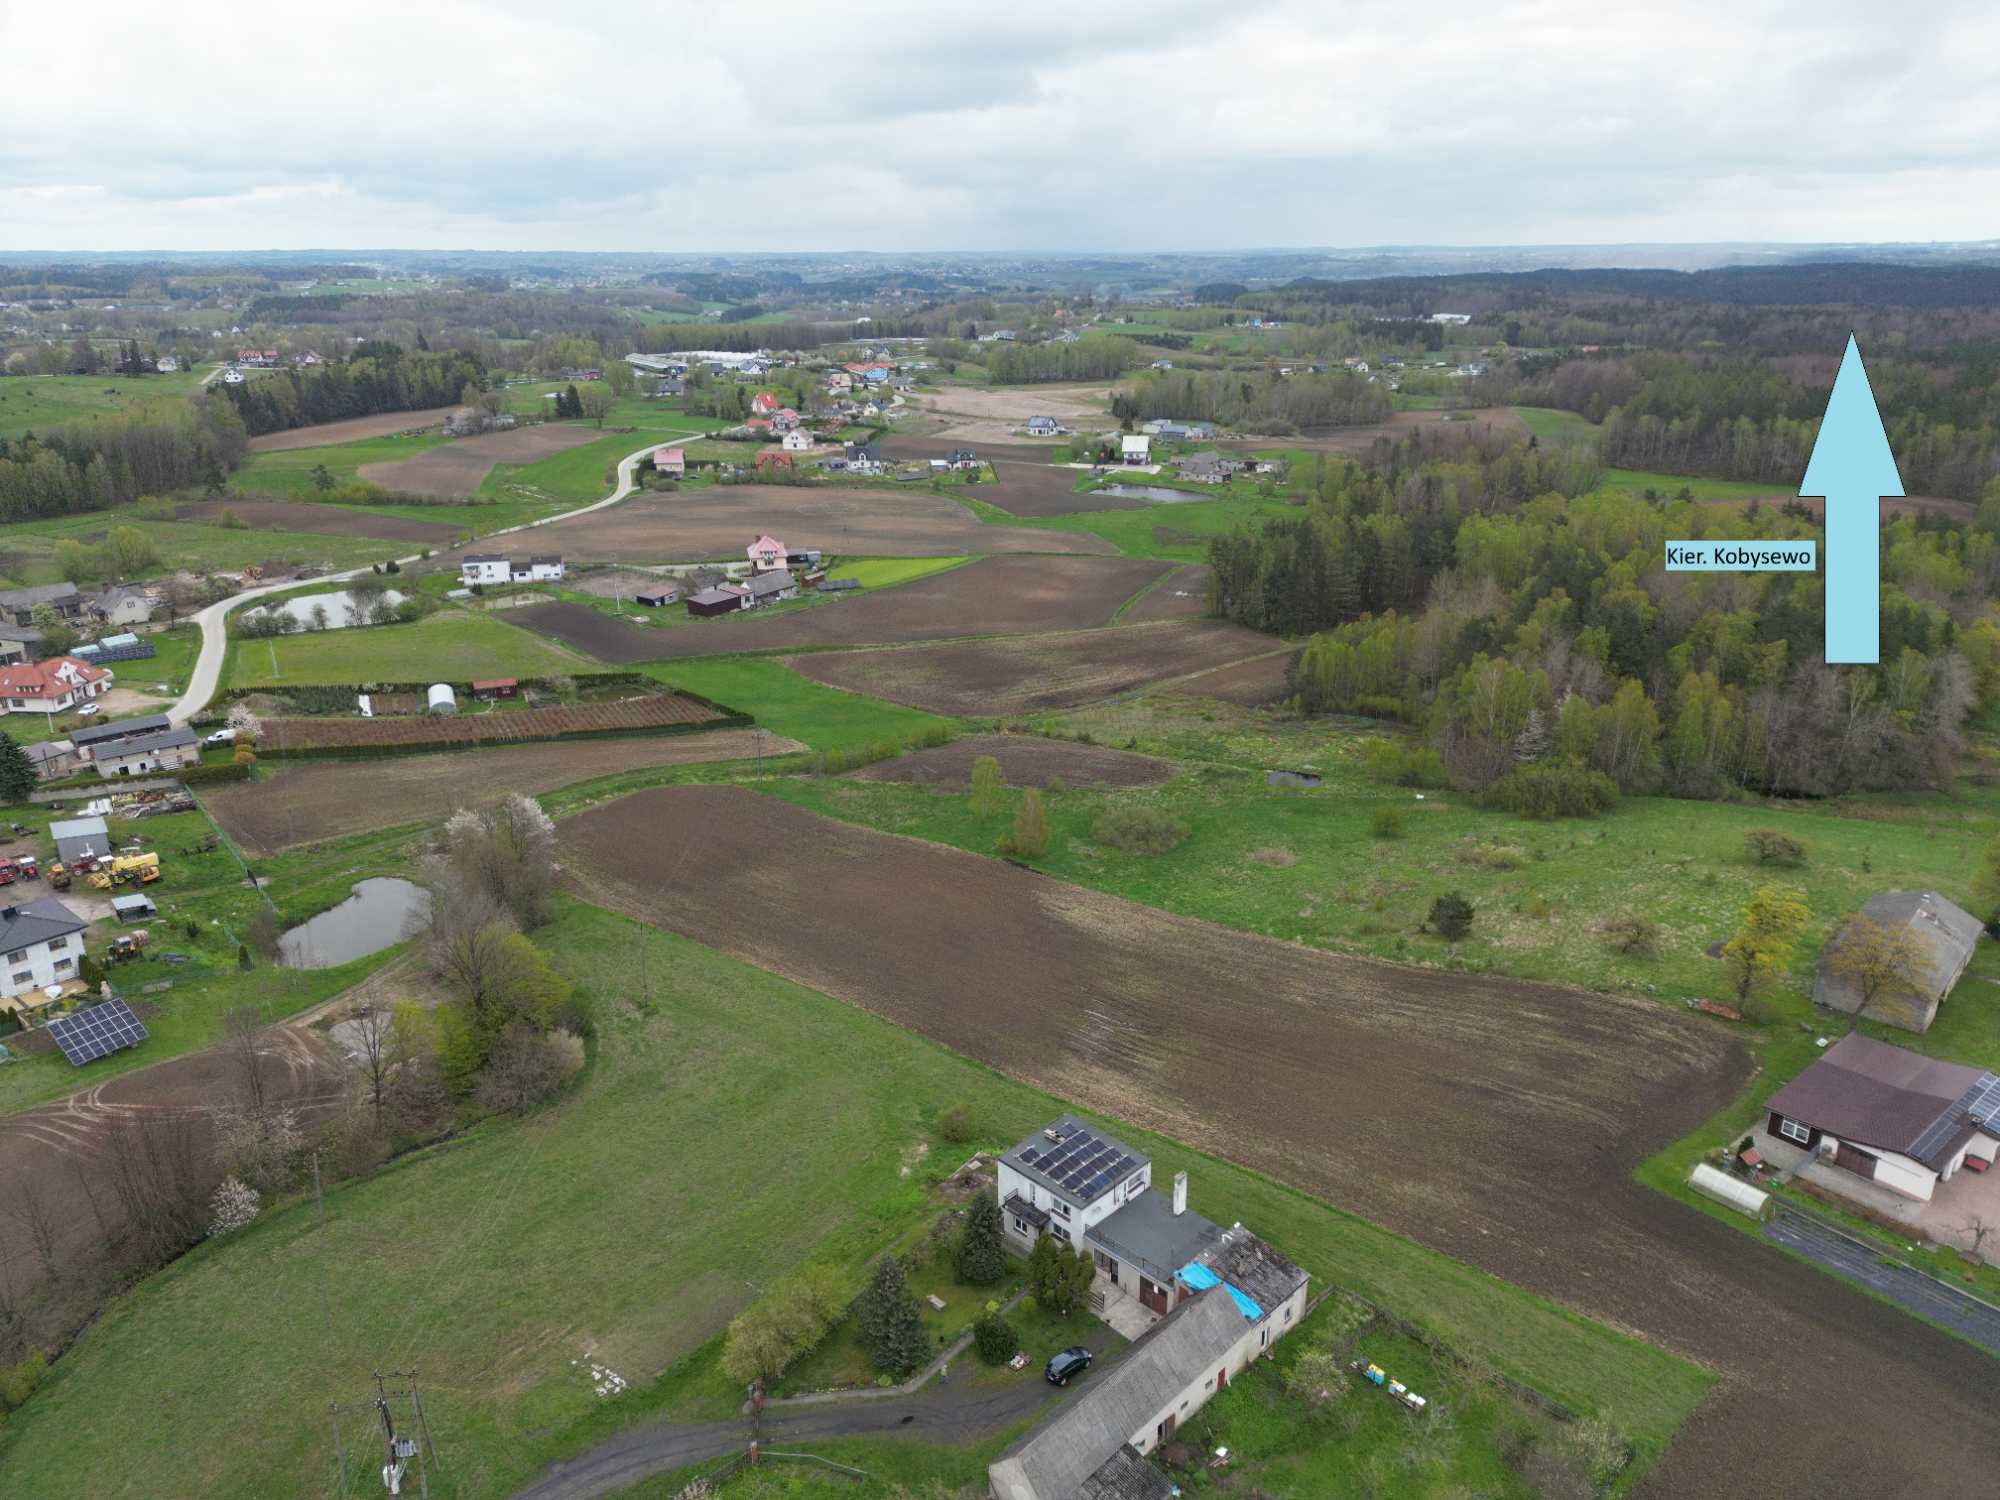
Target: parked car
88 711
1068 1363
220 737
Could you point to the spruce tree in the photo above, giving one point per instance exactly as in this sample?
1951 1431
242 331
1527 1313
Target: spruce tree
982 1256
891 1325
17 772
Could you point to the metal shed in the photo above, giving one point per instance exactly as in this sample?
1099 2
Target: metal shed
134 908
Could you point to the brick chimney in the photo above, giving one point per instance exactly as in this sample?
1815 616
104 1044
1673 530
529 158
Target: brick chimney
1180 1193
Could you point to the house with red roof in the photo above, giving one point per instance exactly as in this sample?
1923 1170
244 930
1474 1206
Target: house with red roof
771 458
671 463
53 686
757 424
784 419
764 403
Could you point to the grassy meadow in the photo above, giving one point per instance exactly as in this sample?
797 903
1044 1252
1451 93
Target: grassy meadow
623 1226
41 403
787 704
27 548
450 645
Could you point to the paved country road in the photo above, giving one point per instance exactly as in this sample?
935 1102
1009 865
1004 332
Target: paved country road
949 1414
207 674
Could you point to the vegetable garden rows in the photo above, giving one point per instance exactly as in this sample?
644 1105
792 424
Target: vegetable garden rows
653 711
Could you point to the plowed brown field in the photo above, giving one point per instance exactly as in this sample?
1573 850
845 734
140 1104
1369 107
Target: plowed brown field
328 520
382 424
301 804
1251 683
718 522
1024 674
1025 760
994 596
1184 596
1493 1119
1025 483
456 468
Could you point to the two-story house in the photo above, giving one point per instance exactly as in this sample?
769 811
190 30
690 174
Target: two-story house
41 946
1065 1178
51 687
766 553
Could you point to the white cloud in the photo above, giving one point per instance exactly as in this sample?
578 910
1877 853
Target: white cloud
1176 123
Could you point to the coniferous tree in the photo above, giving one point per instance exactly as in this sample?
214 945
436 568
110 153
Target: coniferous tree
17 772
891 1325
982 1257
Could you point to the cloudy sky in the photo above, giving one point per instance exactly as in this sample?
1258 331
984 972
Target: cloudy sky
1184 124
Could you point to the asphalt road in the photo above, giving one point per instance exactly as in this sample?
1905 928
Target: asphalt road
1864 1263
207 674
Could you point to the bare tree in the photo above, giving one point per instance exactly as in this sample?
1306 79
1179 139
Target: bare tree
1977 1227
373 1030
466 940
242 1039
29 1207
263 1147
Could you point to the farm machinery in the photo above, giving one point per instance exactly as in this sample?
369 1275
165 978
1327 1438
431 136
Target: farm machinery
126 869
14 868
125 946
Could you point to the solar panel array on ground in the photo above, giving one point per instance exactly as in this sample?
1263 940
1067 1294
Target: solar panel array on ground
106 1027
1083 1164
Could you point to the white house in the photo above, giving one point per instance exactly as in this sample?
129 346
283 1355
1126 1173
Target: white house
798 440
42 942
52 686
1065 1178
143 754
1893 1118
1135 447
1239 1300
491 567
1043 427
484 567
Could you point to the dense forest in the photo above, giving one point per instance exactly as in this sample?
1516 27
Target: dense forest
1489 596
94 465
378 377
1086 359
1253 402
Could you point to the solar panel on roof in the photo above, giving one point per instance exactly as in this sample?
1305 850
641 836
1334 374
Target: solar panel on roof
1030 1157
106 1027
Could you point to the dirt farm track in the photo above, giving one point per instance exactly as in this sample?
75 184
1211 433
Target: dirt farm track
1495 1120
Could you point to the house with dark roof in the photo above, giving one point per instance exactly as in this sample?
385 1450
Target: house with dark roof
1945 936
42 945
1065 1178
768 588
143 754
1890 1117
17 606
52 759
90 740
715 601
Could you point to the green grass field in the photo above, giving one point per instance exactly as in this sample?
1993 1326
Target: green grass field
1551 424
290 473
1178 532
1669 486
1538 888
41 403
452 645
786 703
27 547
623 1225
882 572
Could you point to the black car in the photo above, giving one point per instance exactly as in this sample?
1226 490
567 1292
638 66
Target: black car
1069 1362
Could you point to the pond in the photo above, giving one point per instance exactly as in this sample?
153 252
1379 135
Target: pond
339 606
1155 492
1290 778
378 914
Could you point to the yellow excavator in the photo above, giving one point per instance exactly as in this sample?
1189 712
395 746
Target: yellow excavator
126 869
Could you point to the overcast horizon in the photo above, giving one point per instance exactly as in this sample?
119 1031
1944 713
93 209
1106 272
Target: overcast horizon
1044 129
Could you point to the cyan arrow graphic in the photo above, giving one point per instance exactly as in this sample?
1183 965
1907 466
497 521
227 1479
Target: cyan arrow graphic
1852 468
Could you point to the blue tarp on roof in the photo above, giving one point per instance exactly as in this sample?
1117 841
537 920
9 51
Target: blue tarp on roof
1198 1276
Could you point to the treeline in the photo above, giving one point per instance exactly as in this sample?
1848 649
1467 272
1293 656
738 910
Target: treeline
95 465
1086 359
1269 403
1538 642
381 377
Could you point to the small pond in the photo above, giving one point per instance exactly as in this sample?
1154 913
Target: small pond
377 914
339 606
1155 492
1290 778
